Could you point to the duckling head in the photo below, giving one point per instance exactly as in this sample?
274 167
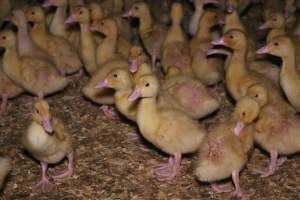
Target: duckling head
172 71
7 39
259 93
279 46
137 10
136 57
118 79
246 111
96 11
80 14
275 20
35 14
73 3
233 39
18 18
176 13
105 26
146 86
41 115
210 18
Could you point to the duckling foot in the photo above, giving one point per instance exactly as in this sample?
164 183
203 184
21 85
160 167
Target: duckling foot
4 103
224 188
135 137
238 191
44 185
69 171
168 171
275 163
109 112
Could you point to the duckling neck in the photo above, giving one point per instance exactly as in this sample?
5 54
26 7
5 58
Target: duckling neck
175 33
147 116
108 47
11 63
289 65
275 32
146 23
237 64
203 32
24 41
195 19
58 22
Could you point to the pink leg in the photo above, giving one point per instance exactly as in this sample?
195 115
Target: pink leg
221 188
4 103
274 164
168 171
70 170
108 112
44 184
135 137
153 60
236 180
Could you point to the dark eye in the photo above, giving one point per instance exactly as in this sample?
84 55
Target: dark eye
274 20
102 23
231 36
37 111
147 84
3 38
256 95
115 75
33 13
243 113
276 44
80 12
136 8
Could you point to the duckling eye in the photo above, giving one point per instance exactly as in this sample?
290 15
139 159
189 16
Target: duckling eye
276 44
275 19
231 36
243 113
80 12
115 75
147 84
3 38
33 13
136 8
102 23
256 95
37 111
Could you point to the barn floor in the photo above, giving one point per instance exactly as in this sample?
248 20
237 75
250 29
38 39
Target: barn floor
110 166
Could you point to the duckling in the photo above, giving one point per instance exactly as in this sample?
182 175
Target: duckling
199 8
37 76
209 70
238 76
290 7
65 56
99 13
26 47
151 33
276 22
187 94
58 26
87 40
271 7
8 89
120 80
48 140
175 48
283 47
225 151
103 96
5 167
109 48
160 10
137 56
170 130
276 130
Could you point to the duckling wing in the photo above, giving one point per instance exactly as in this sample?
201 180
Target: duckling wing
59 129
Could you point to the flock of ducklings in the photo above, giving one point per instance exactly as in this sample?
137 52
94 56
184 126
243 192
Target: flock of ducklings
158 78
